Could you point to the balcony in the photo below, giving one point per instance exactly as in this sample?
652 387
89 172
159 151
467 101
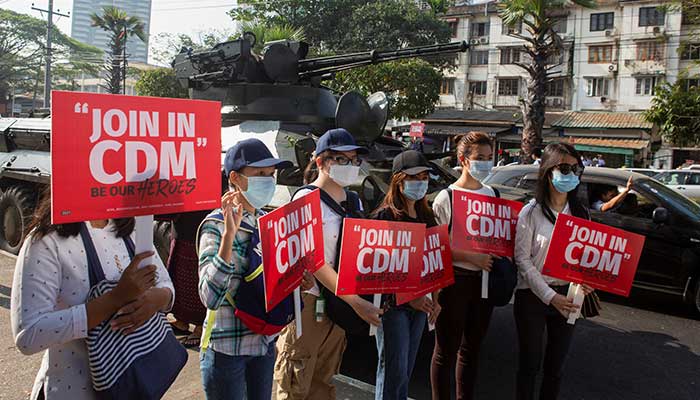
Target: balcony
646 67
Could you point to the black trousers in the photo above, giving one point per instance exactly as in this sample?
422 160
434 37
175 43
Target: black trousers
532 316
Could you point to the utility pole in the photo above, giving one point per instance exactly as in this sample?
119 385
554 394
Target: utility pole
124 61
49 25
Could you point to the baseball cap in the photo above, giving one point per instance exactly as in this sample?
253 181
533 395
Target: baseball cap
251 153
338 139
410 162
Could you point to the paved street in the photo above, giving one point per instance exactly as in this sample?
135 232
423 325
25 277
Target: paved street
634 351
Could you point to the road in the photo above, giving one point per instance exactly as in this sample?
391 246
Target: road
645 347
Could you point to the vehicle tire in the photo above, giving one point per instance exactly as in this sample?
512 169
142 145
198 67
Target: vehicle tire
16 205
161 239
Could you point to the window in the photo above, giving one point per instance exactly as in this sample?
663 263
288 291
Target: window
480 57
478 88
691 51
691 15
447 86
693 179
555 88
652 50
555 59
559 25
479 29
515 28
651 16
602 21
598 87
690 84
645 85
671 178
508 87
454 24
600 54
510 55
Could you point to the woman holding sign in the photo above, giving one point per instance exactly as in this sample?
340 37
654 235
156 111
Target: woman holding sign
306 365
540 301
400 332
465 316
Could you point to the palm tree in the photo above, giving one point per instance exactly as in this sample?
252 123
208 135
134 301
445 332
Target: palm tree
267 33
120 26
541 42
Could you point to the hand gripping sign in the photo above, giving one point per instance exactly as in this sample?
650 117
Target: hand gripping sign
118 156
437 270
379 257
292 241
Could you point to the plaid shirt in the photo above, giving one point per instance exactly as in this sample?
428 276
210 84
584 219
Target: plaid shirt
217 277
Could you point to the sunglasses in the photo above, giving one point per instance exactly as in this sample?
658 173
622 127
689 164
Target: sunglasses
567 168
342 160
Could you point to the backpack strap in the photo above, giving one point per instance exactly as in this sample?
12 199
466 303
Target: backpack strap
95 271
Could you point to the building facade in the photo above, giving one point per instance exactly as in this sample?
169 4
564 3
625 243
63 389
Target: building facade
614 56
81 29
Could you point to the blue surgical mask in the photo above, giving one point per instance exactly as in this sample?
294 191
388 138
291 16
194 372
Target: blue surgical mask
564 183
415 190
260 191
480 169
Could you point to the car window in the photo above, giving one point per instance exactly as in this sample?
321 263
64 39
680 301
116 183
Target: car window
693 179
512 182
671 178
527 184
678 202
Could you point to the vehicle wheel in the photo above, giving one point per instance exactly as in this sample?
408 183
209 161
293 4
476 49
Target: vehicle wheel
161 239
16 205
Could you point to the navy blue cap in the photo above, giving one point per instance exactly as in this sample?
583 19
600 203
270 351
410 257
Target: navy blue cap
251 153
338 139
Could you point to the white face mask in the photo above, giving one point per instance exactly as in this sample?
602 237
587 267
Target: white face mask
344 175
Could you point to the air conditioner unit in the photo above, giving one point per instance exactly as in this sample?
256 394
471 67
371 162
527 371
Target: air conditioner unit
612 67
484 40
603 99
474 41
657 30
610 32
556 102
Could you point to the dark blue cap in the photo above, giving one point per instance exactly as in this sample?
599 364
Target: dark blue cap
338 139
251 153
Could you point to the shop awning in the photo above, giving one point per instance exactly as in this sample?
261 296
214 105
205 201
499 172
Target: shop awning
611 146
452 130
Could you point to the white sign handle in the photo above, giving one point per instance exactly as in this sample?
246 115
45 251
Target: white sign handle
575 294
377 303
297 311
144 237
484 284
431 327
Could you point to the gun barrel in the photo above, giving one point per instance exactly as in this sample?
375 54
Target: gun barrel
324 65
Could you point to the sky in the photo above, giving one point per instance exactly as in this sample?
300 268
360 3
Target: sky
171 16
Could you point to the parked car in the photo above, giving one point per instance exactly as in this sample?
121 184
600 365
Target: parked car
684 181
670 260
645 171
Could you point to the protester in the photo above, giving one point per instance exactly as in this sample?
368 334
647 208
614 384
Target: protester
465 316
400 332
540 302
417 144
50 308
536 156
306 365
236 363
606 197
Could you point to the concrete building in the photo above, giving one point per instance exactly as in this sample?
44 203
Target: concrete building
81 29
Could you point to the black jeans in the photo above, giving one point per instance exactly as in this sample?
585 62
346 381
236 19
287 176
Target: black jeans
531 318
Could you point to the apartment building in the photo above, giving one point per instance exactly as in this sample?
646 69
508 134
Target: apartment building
613 57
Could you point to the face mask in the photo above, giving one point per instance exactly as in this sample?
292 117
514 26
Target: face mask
415 190
344 175
260 191
564 183
480 169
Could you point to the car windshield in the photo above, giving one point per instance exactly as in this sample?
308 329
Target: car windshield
681 203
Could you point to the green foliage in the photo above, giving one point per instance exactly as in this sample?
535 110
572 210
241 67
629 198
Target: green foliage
412 85
677 113
159 82
268 32
165 46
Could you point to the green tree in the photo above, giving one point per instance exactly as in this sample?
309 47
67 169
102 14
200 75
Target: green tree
160 82
120 26
541 42
675 108
165 46
268 32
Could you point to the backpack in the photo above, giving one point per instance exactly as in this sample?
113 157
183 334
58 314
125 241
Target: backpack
338 310
249 301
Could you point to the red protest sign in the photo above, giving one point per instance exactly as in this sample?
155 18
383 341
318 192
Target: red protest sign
417 129
598 255
437 270
484 224
380 257
118 156
291 238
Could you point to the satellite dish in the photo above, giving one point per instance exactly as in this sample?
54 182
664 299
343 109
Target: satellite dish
364 120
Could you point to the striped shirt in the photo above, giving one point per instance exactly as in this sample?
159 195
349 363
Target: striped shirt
217 277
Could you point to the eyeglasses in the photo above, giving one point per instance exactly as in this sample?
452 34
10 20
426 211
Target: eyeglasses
567 168
342 160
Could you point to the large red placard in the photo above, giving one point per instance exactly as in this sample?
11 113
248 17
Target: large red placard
598 255
379 257
116 156
484 224
437 270
291 237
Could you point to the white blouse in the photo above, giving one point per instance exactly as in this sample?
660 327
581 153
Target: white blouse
48 312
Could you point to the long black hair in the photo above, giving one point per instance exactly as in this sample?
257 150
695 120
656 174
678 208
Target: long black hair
551 157
42 226
395 202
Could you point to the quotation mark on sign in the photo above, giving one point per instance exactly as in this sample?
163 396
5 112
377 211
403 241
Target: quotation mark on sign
569 223
201 142
357 228
80 109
